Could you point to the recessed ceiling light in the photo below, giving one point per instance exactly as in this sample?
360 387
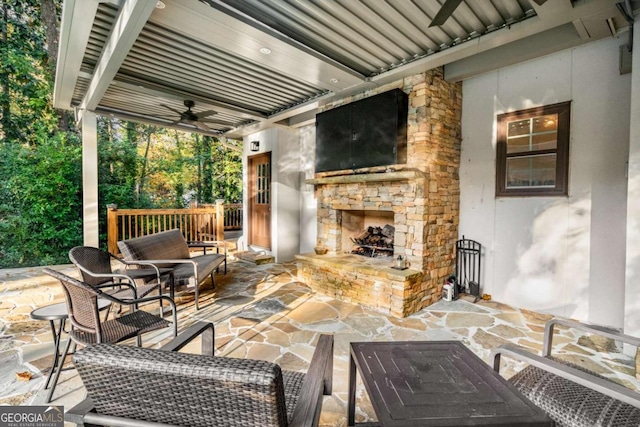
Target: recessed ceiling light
160 5
265 50
334 80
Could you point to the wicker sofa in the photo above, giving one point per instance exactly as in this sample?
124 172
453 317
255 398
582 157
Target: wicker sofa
169 249
129 386
572 395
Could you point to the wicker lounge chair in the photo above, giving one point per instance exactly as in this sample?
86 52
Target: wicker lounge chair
570 394
88 329
96 269
129 386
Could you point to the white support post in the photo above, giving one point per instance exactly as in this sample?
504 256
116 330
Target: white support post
90 179
632 285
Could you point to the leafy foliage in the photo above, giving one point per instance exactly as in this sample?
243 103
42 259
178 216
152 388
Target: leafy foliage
140 166
40 218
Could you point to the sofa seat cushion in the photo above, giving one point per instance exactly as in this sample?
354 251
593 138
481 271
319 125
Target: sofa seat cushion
206 264
570 404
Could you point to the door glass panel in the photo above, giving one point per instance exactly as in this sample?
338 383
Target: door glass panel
531 171
263 183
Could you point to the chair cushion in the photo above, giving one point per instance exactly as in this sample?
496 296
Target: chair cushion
185 389
570 404
183 273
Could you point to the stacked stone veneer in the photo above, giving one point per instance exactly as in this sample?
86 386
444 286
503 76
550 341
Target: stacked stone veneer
424 196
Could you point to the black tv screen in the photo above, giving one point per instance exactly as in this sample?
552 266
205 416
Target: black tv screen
366 133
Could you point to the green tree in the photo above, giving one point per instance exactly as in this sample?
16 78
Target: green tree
227 174
140 166
40 166
40 219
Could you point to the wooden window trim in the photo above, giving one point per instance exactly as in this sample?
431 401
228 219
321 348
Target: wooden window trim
561 188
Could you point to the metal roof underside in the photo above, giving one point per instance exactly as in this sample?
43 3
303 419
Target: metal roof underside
209 51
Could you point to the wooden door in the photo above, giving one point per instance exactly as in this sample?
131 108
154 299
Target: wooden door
260 200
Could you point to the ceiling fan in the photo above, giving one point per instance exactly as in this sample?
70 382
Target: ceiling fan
449 6
191 118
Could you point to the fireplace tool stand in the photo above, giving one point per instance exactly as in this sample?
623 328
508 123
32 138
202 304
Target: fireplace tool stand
468 267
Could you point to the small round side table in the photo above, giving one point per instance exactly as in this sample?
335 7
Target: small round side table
52 313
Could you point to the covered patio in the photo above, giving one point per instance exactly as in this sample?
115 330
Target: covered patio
245 69
263 71
263 312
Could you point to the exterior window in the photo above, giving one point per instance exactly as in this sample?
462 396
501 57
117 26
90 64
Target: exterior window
533 152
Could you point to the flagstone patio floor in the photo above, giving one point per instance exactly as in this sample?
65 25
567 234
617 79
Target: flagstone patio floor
264 312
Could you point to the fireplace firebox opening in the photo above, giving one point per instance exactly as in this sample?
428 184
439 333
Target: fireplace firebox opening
368 233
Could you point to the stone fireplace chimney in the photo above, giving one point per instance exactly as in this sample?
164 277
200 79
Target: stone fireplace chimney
421 196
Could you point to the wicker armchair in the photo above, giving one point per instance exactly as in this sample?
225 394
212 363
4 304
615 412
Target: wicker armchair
129 386
570 394
96 269
86 326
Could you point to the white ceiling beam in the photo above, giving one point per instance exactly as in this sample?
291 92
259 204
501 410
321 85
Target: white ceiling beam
130 21
75 28
552 8
515 32
581 29
551 41
281 118
107 112
229 30
222 140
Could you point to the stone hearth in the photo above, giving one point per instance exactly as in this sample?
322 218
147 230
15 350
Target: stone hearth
422 196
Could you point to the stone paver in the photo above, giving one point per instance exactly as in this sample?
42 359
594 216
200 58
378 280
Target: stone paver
264 312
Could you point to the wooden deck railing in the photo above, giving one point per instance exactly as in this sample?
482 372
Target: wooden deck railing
196 224
233 216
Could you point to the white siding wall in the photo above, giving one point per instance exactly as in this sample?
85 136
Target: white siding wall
561 255
285 186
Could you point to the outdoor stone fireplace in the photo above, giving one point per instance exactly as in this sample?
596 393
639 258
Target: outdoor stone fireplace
419 198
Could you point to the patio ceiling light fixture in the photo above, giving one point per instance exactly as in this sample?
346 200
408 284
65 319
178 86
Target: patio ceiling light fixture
160 5
265 51
255 145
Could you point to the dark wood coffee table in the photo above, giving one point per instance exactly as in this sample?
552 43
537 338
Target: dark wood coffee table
436 383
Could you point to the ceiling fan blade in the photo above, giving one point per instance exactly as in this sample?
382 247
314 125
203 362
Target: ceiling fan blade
206 114
445 11
217 122
172 109
202 126
540 2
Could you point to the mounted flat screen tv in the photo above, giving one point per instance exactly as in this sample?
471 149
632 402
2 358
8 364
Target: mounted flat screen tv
366 133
